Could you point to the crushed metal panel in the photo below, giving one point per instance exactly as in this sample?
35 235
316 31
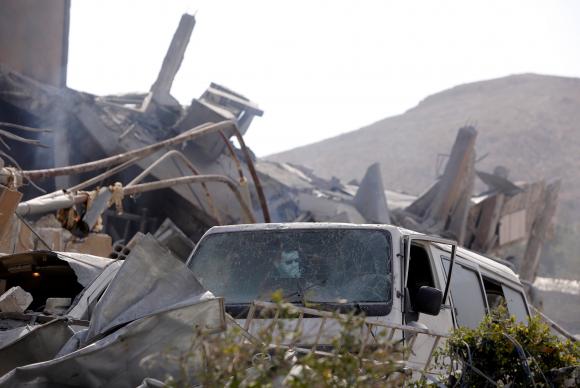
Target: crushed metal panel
147 347
85 302
40 344
150 279
10 335
143 319
87 267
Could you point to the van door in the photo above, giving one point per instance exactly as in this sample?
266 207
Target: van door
424 270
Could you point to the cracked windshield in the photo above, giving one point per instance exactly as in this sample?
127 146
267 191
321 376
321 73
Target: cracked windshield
324 266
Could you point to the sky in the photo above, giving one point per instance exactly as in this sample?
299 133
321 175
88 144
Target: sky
320 68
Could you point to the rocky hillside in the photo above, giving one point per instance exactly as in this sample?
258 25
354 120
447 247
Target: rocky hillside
528 123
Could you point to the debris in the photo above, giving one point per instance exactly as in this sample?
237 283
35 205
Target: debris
499 183
9 200
455 188
170 236
539 232
154 160
40 344
85 302
370 199
154 288
172 61
126 356
46 274
56 306
15 300
9 335
96 244
143 318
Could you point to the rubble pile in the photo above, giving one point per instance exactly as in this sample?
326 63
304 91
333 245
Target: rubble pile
179 161
184 174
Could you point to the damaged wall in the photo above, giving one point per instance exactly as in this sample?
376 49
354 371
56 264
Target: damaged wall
34 38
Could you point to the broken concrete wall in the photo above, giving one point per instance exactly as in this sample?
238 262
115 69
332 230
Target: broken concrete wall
34 38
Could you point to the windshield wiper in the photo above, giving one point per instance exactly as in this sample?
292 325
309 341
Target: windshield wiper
301 292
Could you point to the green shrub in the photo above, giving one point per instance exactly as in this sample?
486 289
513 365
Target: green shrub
234 359
503 352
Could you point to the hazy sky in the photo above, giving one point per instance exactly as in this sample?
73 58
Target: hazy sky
320 68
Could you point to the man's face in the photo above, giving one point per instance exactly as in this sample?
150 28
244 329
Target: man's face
289 265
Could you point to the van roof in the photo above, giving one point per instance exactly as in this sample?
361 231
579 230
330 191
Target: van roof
487 263
298 225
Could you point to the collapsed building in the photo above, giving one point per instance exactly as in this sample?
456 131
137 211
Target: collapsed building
506 220
114 168
185 174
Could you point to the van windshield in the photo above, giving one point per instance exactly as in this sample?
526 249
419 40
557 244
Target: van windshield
320 265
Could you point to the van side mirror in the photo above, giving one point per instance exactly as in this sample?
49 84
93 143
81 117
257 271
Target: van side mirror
428 300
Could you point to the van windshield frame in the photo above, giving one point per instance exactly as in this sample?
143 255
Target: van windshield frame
328 268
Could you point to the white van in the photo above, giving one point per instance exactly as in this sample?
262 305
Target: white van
397 277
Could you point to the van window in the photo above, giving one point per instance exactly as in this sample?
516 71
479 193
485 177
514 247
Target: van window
515 303
420 272
467 295
494 294
499 294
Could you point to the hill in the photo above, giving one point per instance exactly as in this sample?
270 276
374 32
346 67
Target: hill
528 123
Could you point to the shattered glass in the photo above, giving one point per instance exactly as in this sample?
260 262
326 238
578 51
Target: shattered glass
324 266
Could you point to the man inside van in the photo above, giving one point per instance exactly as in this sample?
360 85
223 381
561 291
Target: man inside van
284 274
288 264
